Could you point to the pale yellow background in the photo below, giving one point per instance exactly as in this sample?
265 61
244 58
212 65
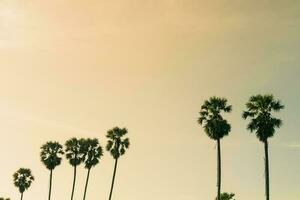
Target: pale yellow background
79 67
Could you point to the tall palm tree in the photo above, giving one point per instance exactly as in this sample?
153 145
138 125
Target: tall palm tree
263 123
51 156
75 157
92 152
216 127
117 146
23 179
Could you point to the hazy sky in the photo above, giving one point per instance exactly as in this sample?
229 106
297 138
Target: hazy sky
80 67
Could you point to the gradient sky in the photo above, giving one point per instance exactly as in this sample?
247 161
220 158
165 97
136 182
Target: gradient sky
79 67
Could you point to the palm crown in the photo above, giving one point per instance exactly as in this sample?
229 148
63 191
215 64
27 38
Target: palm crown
227 196
259 109
51 154
23 179
116 145
73 151
210 117
92 152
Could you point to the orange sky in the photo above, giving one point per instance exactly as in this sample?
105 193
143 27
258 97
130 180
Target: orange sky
78 68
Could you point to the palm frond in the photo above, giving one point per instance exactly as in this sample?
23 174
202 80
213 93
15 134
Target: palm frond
259 109
23 179
116 145
73 148
276 106
92 152
51 154
211 119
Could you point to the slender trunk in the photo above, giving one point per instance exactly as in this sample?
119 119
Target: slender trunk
113 179
74 180
267 170
50 185
21 195
86 183
219 170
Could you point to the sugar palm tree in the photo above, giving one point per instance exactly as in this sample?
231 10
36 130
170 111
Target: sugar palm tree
75 157
23 180
92 152
51 156
263 123
117 146
216 127
227 196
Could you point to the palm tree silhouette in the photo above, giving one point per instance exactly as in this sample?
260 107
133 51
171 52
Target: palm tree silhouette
92 152
117 146
51 157
215 126
259 109
75 157
227 196
23 179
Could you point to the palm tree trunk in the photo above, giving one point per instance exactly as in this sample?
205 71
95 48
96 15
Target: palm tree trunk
113 179
267 170
50 185
86 183
74 180
21 195
219 170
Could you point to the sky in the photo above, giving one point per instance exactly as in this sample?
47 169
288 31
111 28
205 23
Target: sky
74 68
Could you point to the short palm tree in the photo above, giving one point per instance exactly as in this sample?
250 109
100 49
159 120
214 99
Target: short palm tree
215 126
92 152
227 196
117 146
75 157
51 156
23 180
263 123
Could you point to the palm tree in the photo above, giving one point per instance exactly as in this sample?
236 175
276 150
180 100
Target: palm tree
117 146
92 152
75 157
51 157
227 196
260 109
1 198
23 179
215 126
